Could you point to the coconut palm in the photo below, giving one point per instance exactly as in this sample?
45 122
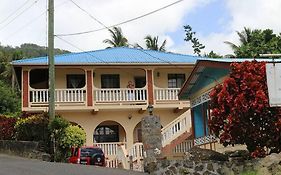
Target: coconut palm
152 43
244 38
118 39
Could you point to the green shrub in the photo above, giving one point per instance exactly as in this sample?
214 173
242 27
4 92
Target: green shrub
57 125
73 137
33 128
9 100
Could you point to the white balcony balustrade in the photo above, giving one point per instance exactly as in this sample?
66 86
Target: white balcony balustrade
166 94
39 96
138 95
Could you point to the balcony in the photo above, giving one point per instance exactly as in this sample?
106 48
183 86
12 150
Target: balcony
106 98
121 96
40 97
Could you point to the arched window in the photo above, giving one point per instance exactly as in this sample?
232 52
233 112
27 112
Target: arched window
106 133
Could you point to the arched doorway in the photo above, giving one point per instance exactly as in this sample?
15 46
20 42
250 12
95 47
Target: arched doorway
138 133
109 131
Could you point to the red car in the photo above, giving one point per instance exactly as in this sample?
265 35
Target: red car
88 155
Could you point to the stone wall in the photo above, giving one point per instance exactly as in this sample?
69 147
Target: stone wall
27 149
270 165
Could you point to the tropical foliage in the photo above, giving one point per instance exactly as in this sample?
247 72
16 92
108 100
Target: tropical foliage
64 136
212 54
33 128
152 44
241 113
9 100
189 37
73 136
7 130
27 50
256 42
117 38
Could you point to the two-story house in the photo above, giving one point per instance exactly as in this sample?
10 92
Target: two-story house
107 92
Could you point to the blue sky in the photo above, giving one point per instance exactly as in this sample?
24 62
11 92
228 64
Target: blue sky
214 22
204 20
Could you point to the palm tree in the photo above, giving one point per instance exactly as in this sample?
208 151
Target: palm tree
152 43
244 38
118 39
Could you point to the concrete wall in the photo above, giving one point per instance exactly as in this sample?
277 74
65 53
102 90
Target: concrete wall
24 149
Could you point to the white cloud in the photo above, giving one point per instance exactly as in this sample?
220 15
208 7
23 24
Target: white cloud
250 13
255 14
68 19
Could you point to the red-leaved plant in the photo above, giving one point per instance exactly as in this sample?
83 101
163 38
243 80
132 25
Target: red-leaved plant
241 113
7 130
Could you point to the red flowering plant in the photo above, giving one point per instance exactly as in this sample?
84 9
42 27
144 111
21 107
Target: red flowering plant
7 130
241 113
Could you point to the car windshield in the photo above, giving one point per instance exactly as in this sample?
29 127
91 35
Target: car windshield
90 151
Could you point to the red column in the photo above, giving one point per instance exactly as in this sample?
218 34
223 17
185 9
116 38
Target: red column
89 77
25 83
149 79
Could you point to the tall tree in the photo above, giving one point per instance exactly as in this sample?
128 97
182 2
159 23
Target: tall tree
189 36
118 39
152 44
256 42
241 113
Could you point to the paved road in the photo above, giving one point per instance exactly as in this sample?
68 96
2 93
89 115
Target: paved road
11 165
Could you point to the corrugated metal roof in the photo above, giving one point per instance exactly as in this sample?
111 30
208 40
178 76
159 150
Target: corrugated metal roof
113 56
230 60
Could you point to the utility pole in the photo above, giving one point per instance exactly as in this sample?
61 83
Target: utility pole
51 60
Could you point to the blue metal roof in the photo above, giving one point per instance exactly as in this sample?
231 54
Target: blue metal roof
116 55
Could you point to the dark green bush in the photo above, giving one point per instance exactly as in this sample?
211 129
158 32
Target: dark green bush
9 100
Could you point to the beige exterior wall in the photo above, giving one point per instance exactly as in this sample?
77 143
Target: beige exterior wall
125 75
61 76
161 75
90 121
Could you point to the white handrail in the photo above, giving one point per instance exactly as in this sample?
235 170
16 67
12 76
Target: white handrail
136 151
166 94
176 128
120 95
61 95
109 148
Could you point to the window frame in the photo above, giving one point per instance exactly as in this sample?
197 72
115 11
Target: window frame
177 77
78 76
115 78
